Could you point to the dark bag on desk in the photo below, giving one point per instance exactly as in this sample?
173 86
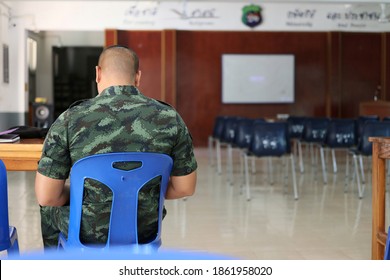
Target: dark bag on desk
26 131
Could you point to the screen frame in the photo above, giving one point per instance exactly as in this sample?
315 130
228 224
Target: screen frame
229 100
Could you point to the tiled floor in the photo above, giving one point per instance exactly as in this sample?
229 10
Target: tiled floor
325 223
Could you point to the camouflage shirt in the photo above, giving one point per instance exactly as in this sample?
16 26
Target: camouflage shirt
119 119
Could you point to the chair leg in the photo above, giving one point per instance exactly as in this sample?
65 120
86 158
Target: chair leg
246 170
323 165
270 171
242 176
313 161
362 169
294 178
346 172
210 148
253 165
285 168
229 164
334 161
218 155
301 166
360 191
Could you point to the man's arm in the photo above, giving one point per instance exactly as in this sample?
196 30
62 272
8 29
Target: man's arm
181 186
51 192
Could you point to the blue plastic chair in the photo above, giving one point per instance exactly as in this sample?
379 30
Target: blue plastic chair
125 186
387 248
340 136
313 135
364 149
239 139
360 121
219 124
296 126
8 234
270 139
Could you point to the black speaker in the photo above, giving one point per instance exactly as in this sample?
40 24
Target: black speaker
42 115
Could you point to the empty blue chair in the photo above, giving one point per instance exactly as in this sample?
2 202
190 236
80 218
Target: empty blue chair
314 134
228 137
8 234
364 148
296 126
241 141
223 134
270 139
340 135
360 121
219 124
125 182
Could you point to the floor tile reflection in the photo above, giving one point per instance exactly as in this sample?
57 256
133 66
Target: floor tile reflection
325 223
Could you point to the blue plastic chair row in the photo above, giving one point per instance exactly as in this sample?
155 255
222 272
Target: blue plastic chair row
237 133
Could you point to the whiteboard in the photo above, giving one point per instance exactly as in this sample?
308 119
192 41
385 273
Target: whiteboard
248 78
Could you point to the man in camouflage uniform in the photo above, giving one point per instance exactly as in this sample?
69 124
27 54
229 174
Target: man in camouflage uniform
119 119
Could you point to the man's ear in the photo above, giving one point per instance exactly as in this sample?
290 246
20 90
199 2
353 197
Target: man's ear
98 74
137 79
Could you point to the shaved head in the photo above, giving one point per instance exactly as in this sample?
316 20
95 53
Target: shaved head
118 65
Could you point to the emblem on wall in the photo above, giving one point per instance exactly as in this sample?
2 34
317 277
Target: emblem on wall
251 15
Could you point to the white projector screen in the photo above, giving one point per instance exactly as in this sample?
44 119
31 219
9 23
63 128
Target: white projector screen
248 78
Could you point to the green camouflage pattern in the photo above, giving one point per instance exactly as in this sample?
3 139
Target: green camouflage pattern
119 119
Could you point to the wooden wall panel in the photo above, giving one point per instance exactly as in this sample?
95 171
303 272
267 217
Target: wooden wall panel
147 44
334 78
110 37
199 75
334 71
386 67
360 70
168 78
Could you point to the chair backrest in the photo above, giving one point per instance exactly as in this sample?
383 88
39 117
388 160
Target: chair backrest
244 130
219 126
243 133
360 121
230 128
4 222
386 119
270 139
341 133
125 185
372 129
296 125
315 129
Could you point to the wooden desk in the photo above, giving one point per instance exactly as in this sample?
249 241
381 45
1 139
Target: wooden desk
23 155
380 152
379 108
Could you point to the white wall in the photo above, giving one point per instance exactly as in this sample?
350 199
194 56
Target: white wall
195 15
4 88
